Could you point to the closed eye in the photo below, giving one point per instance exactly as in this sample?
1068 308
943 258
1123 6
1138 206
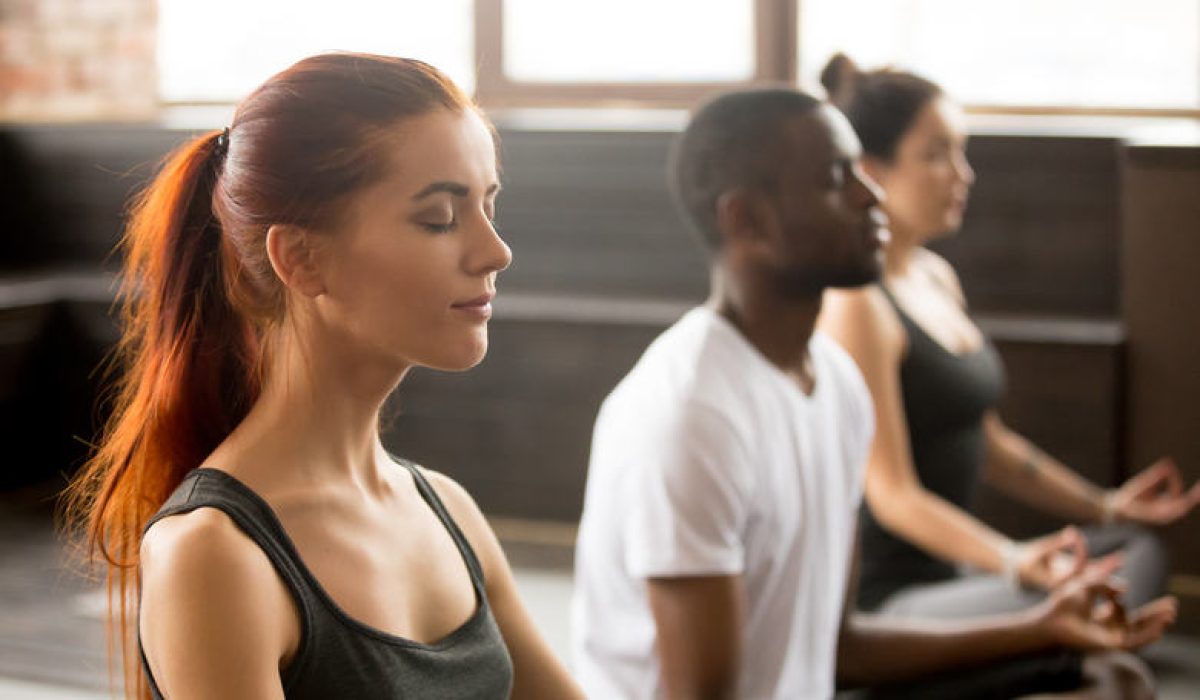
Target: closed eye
439 228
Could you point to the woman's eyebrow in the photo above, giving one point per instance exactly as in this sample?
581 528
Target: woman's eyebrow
455 188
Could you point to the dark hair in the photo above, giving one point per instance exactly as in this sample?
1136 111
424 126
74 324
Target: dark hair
731 141
880 104
199 292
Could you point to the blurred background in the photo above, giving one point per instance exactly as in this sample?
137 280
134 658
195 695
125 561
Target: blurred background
1078 252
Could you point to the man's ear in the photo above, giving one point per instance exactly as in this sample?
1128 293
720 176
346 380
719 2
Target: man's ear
742 218
293 257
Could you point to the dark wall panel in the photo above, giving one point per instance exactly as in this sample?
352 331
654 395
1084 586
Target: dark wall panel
1161 255
1041 231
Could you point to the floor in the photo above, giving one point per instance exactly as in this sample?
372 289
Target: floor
52 638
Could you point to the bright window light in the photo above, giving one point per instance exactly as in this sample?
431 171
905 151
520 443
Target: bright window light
1065 53
628 41
220 50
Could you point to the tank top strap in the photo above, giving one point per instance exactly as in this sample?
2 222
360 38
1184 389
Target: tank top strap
212 488
460 540
887 294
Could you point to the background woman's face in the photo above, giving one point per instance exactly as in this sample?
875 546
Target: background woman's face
410 273
928 180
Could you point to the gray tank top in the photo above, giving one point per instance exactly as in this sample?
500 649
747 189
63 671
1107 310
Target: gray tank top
338 656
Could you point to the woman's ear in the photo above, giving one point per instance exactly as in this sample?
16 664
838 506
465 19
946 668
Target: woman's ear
294 259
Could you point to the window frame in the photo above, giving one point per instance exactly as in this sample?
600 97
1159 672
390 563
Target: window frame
775 61
776 47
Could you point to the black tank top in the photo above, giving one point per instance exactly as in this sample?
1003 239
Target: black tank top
945 398
339 657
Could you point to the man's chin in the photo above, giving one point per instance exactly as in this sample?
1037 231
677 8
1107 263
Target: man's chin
858 278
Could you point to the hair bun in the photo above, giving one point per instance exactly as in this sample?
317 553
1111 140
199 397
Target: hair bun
839 77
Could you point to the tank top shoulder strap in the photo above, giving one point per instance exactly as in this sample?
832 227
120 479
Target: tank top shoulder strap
891 299
460 540
905 320
212 488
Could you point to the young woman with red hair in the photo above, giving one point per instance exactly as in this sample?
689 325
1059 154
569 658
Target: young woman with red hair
282 276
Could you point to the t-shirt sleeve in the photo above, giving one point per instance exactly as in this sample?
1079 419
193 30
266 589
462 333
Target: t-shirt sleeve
688 497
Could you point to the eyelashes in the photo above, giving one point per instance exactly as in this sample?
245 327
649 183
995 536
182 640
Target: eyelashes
440 228
452 225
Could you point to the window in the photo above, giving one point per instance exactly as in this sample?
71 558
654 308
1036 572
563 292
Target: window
1010 55
628 41
657 52
1097 54
219 50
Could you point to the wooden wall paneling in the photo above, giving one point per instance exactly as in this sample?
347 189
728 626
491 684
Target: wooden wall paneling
589 213
516 431
87 175
1161 310
1040 233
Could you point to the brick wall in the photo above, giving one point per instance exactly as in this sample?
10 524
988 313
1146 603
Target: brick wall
69 60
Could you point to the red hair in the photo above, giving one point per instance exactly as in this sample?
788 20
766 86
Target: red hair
199 295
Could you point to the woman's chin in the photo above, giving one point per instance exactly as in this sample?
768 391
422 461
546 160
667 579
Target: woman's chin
947 228
461 358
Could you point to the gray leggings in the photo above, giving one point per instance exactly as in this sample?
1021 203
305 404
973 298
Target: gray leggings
972 594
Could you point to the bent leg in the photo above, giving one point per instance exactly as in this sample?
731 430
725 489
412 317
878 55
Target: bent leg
963 597
1109 676
1145 559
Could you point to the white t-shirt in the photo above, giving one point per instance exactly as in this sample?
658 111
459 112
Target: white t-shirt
708 460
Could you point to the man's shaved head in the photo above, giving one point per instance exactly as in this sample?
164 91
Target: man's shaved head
732 142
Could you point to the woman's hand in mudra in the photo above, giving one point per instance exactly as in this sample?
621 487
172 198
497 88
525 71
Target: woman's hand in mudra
1154 497
1046 562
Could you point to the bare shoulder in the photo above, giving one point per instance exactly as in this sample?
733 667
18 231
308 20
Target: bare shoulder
860 317
198 542
941 271
209 589
456 498
470 519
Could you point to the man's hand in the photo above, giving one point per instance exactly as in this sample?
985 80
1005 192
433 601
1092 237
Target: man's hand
1085 612
1155 496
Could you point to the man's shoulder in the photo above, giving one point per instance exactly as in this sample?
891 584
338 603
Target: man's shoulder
692 362
838 364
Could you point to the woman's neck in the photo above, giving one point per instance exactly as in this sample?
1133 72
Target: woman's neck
899 253
317 414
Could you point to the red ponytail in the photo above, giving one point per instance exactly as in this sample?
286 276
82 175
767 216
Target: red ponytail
179 391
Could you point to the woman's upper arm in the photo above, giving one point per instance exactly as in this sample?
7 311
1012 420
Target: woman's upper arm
864 324
215 620
537 672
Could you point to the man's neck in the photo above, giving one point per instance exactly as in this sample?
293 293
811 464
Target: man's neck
778 328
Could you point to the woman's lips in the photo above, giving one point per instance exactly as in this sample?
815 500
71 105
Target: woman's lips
480 306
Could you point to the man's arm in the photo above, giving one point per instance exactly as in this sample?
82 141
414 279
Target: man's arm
1082 613
699 624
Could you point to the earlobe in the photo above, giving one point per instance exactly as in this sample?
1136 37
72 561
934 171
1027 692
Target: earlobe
743 219
735 215
294 259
